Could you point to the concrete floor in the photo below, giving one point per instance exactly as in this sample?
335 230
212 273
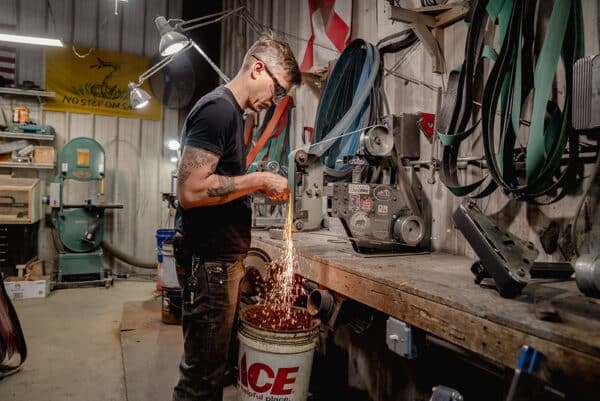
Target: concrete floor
74 345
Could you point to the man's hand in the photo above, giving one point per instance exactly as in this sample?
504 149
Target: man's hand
275 186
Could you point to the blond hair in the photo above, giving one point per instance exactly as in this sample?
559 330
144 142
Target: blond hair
276 54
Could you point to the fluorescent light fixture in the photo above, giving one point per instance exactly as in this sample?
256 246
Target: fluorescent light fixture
173 144
171 41
174 159
138 97
30 40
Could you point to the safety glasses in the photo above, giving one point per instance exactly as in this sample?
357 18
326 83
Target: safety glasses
280 91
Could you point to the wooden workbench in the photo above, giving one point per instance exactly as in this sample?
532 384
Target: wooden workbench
436 293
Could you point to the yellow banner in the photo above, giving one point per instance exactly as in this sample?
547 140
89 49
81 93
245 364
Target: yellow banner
96 84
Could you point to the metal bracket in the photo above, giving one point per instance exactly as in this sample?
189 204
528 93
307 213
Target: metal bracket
428 24
399 338
507 258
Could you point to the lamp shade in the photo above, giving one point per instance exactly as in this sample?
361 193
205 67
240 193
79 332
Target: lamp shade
171 41
138 97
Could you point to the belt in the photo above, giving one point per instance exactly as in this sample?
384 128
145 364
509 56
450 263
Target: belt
352 99
517 74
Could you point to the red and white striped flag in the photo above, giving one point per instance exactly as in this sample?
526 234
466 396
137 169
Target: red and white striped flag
330 23
8 55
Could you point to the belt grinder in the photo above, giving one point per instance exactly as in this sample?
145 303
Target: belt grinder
383 209
80 227
265 211
305 173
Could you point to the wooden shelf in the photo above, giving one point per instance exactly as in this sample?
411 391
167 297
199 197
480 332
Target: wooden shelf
26 92
26 165
24 135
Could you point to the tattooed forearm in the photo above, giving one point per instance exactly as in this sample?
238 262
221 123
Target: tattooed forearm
194 158
226 186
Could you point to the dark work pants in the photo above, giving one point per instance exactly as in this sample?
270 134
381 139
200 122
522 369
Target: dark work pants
210 300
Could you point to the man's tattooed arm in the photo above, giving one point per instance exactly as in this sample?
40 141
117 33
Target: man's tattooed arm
198 185
225 187
195 158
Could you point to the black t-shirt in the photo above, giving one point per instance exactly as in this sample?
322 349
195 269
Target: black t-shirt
220 232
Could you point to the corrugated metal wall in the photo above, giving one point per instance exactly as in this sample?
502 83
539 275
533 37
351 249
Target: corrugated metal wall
291 17
138 163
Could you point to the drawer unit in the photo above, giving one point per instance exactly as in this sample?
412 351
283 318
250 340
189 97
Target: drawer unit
18 245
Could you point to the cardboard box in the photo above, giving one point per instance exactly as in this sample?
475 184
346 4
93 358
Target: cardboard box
27 289
43 154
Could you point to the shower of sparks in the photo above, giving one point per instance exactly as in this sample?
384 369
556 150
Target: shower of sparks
282 296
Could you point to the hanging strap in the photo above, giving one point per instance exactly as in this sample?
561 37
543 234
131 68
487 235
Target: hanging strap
517 74
249 126
280 110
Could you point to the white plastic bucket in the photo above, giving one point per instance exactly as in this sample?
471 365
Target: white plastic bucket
167 275
274 365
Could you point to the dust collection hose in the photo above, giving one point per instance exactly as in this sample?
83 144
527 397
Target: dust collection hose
111 249
129 259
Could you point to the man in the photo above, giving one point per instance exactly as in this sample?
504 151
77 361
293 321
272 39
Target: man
214 216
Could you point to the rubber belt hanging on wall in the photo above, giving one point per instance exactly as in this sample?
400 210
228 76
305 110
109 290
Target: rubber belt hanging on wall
350 100
282 109
517 74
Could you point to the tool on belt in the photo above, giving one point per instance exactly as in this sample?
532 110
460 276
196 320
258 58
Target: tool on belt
518 73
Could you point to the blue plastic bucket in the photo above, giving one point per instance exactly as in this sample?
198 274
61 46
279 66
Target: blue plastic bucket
162 235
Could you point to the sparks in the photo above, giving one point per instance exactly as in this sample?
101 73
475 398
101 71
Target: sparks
282 295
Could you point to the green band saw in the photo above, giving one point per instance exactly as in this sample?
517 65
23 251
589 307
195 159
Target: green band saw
80 227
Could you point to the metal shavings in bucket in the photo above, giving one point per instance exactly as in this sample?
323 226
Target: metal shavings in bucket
277 318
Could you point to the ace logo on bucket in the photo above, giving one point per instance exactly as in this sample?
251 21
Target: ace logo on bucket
268 380
262 378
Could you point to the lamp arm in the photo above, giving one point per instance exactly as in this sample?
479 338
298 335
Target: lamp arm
159 66
185 26
224 77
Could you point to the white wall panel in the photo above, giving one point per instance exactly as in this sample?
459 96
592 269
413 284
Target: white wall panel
8 16
31 20
109 26
59 20
134 19
85 24
154 8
